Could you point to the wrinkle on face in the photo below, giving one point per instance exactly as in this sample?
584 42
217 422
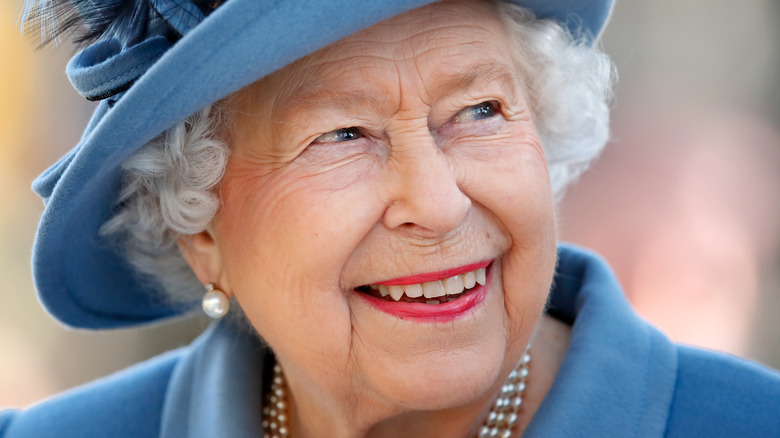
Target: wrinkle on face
305 222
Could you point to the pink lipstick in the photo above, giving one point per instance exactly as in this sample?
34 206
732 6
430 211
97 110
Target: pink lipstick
433 276
433 309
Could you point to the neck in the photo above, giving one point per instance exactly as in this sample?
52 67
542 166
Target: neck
313 415
462 421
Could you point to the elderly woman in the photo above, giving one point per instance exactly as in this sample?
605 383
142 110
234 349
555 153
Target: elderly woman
367 191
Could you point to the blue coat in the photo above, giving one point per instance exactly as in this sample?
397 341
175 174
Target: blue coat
620 378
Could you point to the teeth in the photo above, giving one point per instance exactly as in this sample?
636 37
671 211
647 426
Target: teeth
481 276
396 292
433 289
413 290
469 279
453 285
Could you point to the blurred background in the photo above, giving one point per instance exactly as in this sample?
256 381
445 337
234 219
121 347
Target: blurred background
684 203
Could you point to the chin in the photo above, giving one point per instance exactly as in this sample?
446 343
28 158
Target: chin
457 370
458 381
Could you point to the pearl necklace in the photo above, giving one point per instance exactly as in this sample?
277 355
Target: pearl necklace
275 407
503 416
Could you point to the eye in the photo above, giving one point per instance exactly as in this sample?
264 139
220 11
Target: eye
480 111
341 134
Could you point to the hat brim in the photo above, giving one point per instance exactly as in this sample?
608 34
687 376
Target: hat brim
83 280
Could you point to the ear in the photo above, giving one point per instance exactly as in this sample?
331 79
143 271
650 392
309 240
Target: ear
202 254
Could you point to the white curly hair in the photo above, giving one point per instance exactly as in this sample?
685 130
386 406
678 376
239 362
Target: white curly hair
170 184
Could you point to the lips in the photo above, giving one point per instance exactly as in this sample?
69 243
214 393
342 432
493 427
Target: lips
435 291
448 292
431 297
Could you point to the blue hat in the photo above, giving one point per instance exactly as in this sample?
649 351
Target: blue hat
153 69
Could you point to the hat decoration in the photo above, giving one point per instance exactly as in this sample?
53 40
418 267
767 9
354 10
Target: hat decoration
124 38
126 20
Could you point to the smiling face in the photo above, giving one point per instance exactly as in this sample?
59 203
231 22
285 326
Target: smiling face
400 159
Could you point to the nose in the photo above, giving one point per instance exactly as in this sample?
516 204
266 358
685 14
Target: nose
423 188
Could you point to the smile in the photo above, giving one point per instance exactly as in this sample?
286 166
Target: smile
437 296
436 291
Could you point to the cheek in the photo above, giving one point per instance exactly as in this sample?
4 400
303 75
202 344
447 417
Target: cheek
508 175
284 237
272 211
511 181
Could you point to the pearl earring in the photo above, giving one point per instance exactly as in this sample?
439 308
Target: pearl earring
215 302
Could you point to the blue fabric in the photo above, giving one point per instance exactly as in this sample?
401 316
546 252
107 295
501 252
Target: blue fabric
104 69
606 346
82 279
743 390
620 378
580 17
226 366
128 404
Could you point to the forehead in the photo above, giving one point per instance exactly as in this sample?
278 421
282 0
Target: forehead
449 43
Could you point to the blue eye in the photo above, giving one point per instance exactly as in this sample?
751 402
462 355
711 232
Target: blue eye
480 111
341 134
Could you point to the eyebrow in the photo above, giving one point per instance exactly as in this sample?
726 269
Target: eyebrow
308 96
487 72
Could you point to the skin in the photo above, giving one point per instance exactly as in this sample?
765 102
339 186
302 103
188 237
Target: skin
426 182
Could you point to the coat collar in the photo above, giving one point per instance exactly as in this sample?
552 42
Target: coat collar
216 389
623 369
